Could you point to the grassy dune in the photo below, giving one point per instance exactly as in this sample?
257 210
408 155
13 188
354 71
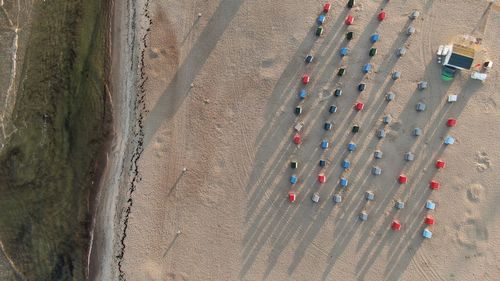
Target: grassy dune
47 166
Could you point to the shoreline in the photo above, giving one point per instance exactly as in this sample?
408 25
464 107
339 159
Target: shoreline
122 80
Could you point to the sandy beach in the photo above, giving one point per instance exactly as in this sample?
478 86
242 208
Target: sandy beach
204 95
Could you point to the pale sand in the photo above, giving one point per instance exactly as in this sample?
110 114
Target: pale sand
227 217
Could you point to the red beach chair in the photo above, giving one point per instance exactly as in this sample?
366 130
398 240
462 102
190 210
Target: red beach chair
349 20
396 225
326 8
381 16
321 178
429 220
297 139
451 122
305 79
440 164
403 179
434 185
359 106
292 197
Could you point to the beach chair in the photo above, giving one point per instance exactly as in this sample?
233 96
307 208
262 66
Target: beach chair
294 164
374 38
420 106
414 15
402 179
292 197
315 197
427 234
376 171
434 185
409 156
387 119
298 110
344 182
451 122
349 20
363 216
367 68
369 196
346 164
337 198
322 163
372 52
321 19
381 16
390 96
355 128
417 132
351 147
302 94
321 178
337 92
359 106
396 75
319 31
327 126
440 164
309 58
297 139
306 79
326 8
410 30
422 85
361 87
429 220
381 134
293 179
332 109
449 140
399 205
344 51
396 225
349 35
430 205
401 52
378 154
324 144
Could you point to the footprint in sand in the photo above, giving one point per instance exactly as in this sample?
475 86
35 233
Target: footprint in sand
475 192
212 195
488 104
482 162
267 68
172 276
153 53
471 232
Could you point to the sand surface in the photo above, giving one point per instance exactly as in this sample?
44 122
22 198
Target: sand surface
219 95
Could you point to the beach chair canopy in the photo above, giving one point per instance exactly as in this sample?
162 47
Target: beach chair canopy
434 185
400 205
402 179
396 225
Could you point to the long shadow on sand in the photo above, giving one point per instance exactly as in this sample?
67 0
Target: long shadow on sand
174 95
272 220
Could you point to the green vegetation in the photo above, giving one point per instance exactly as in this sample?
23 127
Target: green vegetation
47 166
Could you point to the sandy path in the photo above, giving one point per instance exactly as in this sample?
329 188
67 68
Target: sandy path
227 218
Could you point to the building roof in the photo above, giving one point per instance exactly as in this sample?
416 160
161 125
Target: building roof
461 57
